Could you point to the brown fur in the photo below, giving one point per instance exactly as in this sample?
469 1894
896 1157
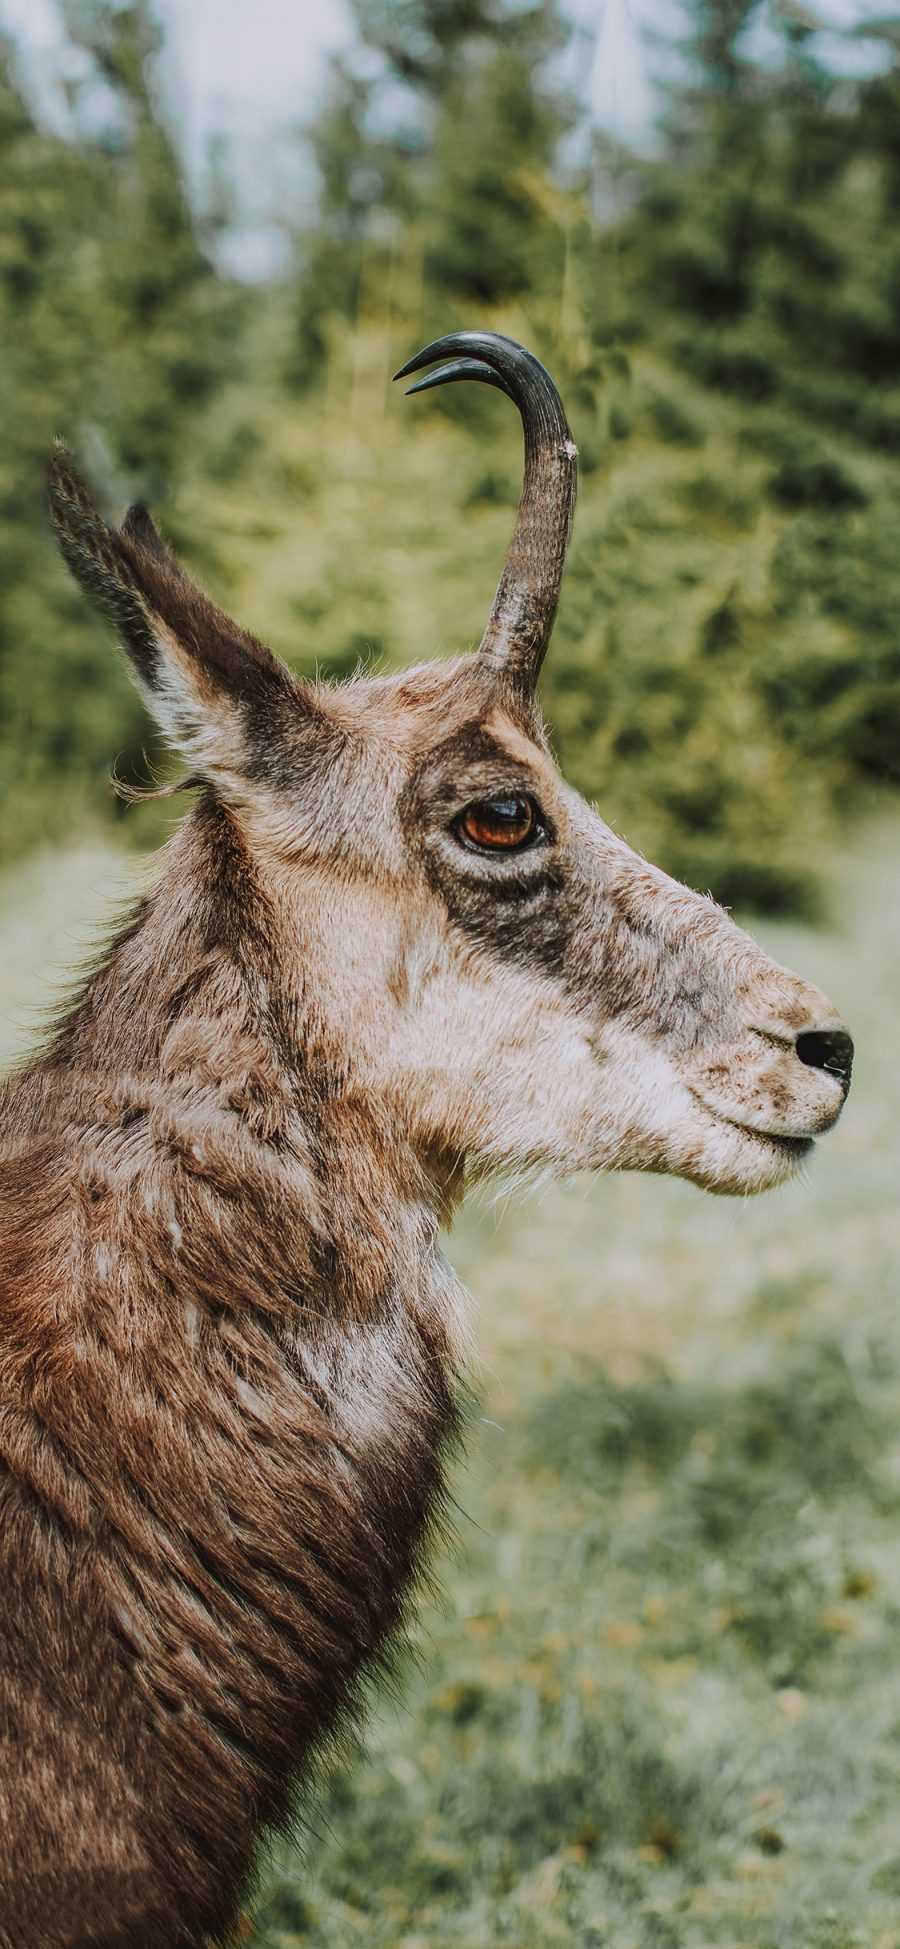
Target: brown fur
230 1346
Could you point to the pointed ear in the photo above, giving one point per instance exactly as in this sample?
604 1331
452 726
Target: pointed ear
219 695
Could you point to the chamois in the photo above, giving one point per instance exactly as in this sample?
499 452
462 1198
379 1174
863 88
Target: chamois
389 951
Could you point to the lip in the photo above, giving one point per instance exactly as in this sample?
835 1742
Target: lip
793 1147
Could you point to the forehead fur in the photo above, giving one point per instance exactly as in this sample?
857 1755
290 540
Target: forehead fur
416 710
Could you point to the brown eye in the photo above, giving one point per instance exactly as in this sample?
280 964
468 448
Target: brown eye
499 825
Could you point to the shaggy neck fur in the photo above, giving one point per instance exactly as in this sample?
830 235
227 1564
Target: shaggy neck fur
224 1414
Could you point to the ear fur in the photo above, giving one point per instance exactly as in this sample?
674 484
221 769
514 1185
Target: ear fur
207 681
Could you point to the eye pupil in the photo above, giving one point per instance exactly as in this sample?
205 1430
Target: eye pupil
499 825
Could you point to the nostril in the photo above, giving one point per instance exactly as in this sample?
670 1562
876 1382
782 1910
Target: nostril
830 1049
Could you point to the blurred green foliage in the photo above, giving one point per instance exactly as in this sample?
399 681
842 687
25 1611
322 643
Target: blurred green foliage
724 321
114 330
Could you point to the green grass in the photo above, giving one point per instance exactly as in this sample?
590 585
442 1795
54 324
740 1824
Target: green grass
659 1703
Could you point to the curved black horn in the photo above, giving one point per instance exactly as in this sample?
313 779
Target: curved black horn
524 608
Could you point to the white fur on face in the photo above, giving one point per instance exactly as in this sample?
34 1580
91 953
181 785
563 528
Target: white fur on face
501 1070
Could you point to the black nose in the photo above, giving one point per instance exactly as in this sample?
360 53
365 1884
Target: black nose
830 1049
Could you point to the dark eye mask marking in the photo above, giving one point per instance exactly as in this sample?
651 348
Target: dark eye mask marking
510 901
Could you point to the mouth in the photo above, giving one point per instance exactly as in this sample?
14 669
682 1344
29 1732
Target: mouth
792 1149
747 1160
770 1142
756 1159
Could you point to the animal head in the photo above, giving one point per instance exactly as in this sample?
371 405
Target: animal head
480 956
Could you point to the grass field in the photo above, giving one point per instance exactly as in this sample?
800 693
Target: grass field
658 1705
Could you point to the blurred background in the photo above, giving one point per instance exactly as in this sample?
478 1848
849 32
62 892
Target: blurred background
660 1702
